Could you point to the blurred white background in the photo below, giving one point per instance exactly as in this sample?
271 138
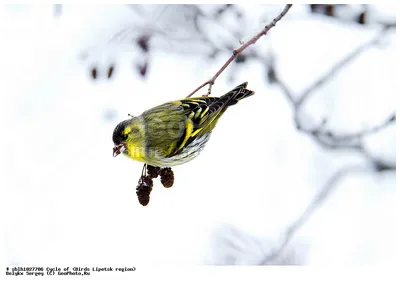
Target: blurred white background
67 201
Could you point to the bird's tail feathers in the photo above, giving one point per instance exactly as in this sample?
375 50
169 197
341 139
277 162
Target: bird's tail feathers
238 93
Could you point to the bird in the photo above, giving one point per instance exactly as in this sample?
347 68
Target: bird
175 132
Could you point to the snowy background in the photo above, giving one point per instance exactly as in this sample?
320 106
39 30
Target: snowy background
68 202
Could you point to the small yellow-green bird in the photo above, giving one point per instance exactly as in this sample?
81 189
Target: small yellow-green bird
175 132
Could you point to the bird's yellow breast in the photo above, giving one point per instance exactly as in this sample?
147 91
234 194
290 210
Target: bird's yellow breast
135 145
136 151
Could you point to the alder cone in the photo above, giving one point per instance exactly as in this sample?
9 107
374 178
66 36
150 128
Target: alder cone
153 171
143 189
167 177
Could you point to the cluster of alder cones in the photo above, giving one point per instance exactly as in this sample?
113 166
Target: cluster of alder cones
145 184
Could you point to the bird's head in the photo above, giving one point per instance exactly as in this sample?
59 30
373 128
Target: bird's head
127 135
120 136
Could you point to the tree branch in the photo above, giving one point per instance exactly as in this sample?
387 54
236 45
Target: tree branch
391 119
339 66
330 140
327 138
318 200
236 52
274 78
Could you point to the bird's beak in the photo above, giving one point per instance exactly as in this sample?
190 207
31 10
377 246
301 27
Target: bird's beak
118 149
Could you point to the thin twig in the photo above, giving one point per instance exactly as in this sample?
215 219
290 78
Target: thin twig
236 52
391 119
323 79
339 65
327 138
318 200
330 140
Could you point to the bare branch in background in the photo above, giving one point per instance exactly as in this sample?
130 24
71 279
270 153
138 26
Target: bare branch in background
327 138
195 17
236 52
330 140
233 246
318 200
339 66
359 14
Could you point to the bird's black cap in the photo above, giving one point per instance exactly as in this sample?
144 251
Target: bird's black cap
118 134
